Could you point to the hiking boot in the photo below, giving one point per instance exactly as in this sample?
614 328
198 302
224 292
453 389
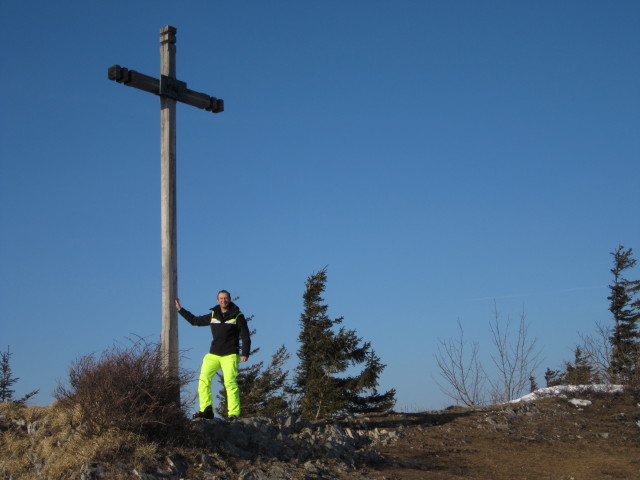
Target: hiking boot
206 413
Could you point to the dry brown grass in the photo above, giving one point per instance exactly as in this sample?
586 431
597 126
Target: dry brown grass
118 408
48 442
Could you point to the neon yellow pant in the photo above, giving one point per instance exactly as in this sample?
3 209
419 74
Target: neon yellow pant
210 366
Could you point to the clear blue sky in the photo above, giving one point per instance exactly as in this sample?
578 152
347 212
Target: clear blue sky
436 155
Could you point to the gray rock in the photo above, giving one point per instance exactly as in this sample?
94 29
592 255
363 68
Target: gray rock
510 412
321 448
92 471
237 451
579 403
177 465
33 427
36 461
144 476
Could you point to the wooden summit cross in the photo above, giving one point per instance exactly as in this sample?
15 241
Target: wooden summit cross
170 90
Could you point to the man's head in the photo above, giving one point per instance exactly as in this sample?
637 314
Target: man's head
224 299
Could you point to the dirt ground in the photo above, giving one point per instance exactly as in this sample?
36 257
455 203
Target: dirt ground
545 439
585 436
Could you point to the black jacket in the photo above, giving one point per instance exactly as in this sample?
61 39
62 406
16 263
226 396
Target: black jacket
227 329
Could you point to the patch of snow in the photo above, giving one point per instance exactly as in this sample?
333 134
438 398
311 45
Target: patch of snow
580 403
562 390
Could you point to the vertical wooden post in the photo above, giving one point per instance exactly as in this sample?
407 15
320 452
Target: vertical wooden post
171 90
169 337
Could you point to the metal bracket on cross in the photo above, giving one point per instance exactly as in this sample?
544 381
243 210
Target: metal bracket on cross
172 88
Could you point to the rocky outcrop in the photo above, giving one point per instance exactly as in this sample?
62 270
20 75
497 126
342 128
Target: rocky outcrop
263 448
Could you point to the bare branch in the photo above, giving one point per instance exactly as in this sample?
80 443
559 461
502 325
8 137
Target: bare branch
516 360
597 349
464 376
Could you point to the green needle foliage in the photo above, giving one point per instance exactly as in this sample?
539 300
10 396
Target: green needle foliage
625 341
7 380
262 389
579 372
325 353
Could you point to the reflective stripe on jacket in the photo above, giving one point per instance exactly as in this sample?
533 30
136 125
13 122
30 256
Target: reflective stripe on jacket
227 329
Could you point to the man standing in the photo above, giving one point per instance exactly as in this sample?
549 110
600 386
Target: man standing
228 326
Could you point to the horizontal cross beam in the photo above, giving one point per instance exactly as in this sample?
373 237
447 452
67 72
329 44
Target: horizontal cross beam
166 87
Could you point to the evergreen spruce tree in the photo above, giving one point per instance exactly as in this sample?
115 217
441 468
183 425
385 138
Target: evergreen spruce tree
625 341
6 380
324 353
553 378
263 391
580 371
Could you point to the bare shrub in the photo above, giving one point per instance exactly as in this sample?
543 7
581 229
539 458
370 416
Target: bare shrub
597 349
127 389
461 369
516 359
